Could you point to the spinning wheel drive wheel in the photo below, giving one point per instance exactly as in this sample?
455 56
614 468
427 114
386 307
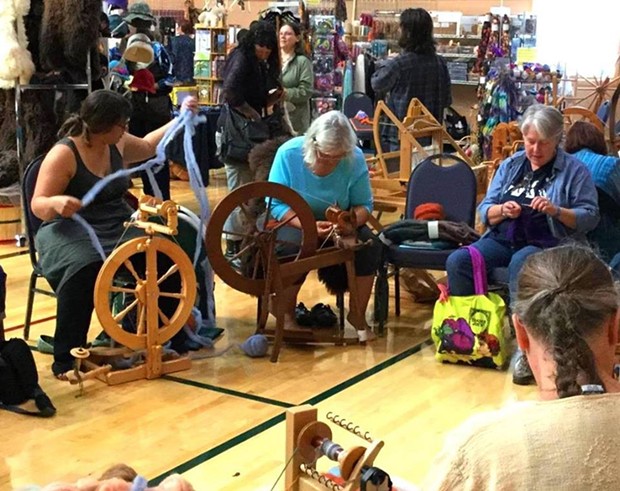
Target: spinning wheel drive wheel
145 292
257 242
575 113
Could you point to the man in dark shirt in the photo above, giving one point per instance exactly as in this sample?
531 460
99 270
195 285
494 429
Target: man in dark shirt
183 48
417 72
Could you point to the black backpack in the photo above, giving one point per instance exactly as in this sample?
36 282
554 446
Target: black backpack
19 380
456 124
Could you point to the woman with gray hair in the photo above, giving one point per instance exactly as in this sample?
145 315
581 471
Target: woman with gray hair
327 168
566 314
538 197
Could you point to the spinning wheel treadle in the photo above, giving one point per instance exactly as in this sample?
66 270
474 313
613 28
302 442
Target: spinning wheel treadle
146 292
256 241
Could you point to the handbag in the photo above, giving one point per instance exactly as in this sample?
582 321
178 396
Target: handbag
240 135
470 329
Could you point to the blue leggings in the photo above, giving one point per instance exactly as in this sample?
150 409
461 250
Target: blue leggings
496 255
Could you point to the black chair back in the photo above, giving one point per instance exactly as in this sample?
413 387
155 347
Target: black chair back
357 101
31 173
451 185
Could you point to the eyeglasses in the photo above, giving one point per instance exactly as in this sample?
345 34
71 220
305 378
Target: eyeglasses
328 156
124 125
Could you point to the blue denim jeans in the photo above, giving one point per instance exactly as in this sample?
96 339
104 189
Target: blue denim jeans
615 266
496 255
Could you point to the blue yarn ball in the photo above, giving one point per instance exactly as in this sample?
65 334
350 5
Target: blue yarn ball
256 346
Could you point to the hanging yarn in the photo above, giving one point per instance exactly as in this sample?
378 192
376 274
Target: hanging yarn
187 120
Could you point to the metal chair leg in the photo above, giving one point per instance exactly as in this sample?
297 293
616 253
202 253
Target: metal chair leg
31 286
397 291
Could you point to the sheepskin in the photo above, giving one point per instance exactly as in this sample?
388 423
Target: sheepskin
16 59
9 170
70 28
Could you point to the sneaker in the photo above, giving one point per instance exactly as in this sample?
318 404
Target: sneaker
303 317
522 373
323 315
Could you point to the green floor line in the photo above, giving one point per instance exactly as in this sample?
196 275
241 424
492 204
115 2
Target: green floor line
230 392
215 451
368 373
246 435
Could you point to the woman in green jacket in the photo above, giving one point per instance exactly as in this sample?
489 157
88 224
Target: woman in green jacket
297 77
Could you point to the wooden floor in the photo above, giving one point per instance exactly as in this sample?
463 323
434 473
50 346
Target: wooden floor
221 423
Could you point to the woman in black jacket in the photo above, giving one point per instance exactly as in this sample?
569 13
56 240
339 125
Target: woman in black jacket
251 86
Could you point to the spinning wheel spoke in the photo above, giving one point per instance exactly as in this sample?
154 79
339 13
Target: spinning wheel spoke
165 321
173 269
236 234
269 202
258 259
122 289
170 295
284 223
121 315
129 265
141 327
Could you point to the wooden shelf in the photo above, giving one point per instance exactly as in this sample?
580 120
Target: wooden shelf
204 27
458 55
450 36
464 82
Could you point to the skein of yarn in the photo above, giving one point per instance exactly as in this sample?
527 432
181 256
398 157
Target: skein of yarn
256 346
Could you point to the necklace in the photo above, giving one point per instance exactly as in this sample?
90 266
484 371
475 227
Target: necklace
285 57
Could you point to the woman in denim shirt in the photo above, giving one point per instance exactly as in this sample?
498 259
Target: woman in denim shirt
537 198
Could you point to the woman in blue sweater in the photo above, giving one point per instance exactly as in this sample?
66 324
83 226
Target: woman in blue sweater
586 142
327 168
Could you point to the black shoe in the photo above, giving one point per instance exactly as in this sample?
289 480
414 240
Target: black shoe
43 403
323 315
522 373
303 317
232 249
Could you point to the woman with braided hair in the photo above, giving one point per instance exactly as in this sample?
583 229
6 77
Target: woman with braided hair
566 315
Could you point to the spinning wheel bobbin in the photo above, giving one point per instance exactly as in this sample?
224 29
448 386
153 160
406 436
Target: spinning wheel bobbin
315 440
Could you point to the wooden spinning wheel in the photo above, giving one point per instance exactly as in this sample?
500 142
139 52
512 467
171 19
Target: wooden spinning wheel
142 290
267 274
255 241
145 292
576 113
591 92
